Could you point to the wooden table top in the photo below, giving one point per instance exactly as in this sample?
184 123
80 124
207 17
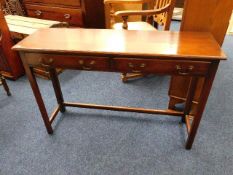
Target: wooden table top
27 25
123 43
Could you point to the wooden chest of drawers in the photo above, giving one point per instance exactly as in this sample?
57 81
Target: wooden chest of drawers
65 11
72 3
78 13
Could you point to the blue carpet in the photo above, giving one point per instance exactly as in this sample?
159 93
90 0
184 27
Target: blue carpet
94 142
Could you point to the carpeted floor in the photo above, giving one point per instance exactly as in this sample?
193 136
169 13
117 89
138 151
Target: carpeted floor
93 142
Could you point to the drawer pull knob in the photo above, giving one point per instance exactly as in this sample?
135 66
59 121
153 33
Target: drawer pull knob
38 13
67 16
184 71
85 67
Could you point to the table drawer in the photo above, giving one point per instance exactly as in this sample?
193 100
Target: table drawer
69 62
56 2
72 16
127 65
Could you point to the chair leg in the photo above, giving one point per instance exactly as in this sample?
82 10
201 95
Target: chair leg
5 86
126 76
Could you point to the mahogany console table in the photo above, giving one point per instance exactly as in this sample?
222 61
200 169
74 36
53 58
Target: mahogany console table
163 53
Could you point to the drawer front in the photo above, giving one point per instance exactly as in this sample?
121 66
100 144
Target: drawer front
69 62
75 3
127 65
72 16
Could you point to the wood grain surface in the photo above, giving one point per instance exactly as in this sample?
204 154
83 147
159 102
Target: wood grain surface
122 43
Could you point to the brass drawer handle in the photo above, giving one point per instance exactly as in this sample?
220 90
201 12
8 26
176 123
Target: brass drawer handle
131 65
136 71
67 16
46 63
85 67
38 13
184 71
142 65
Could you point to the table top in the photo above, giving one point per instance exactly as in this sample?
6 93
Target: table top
27 25
195 45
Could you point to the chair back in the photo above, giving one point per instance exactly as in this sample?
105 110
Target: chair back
164 19
155 12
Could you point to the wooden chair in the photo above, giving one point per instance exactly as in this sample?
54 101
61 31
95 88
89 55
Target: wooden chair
157 13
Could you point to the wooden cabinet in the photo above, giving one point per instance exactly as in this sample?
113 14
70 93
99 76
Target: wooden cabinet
71 16
197 17
78 13
10 63
93 12
64 11
72 3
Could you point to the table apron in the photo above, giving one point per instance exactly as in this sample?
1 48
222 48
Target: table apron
158 66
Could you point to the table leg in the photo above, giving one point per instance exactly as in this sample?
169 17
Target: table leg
57 88
190 96
37 94
201 105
